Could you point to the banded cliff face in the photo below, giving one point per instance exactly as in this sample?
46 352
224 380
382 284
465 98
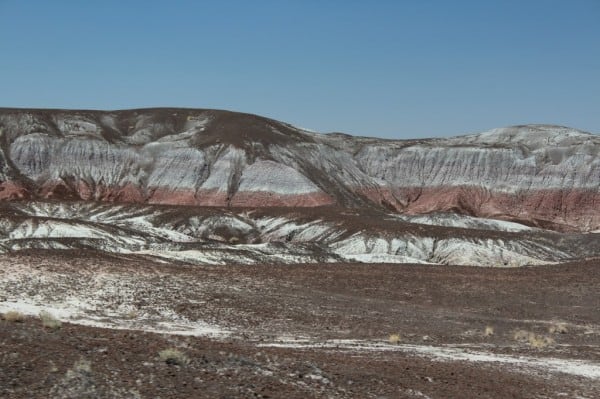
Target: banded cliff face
540 175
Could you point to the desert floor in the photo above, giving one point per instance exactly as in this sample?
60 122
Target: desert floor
301 331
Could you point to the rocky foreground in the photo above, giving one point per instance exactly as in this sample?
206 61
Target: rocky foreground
133 327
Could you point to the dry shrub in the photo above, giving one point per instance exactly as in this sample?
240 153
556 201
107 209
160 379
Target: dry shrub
532 339
14 316
78 382
521 335
540 341
132 314
558 328
81 382
394 339
49 321
173 356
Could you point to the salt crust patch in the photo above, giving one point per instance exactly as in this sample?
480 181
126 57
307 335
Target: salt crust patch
142 223
384 258
71 312
93 299
68 312
247 254
463 221
278 228
580 368
489 253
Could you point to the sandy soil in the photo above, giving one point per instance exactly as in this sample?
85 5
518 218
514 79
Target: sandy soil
296 331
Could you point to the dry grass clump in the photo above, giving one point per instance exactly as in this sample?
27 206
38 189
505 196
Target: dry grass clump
558 328
521 335
14 316
81 366
173 356
534 340
540 341
132 314
78 382
489 331
49 321
81 382
394 339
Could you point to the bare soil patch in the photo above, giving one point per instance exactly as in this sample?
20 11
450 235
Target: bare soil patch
298 331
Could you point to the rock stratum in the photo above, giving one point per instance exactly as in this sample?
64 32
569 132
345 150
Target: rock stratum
218 187
539 175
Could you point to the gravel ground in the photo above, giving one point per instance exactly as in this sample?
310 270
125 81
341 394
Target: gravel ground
295 331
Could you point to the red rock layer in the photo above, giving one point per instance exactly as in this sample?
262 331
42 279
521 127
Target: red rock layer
131 193
172 197
382 196
202 197
262 199
96 192
10 190
566 210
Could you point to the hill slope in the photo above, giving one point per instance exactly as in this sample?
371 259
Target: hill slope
539 175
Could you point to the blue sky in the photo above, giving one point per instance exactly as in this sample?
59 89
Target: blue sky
397 69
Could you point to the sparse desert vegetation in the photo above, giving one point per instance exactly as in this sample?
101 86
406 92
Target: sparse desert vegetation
173 356
131 314
394 339
295 331
82 382
49 320
14 316
558 328
540 341
537 341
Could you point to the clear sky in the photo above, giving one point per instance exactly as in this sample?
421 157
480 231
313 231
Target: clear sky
393 68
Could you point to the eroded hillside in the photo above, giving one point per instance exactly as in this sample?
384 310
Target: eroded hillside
544 176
